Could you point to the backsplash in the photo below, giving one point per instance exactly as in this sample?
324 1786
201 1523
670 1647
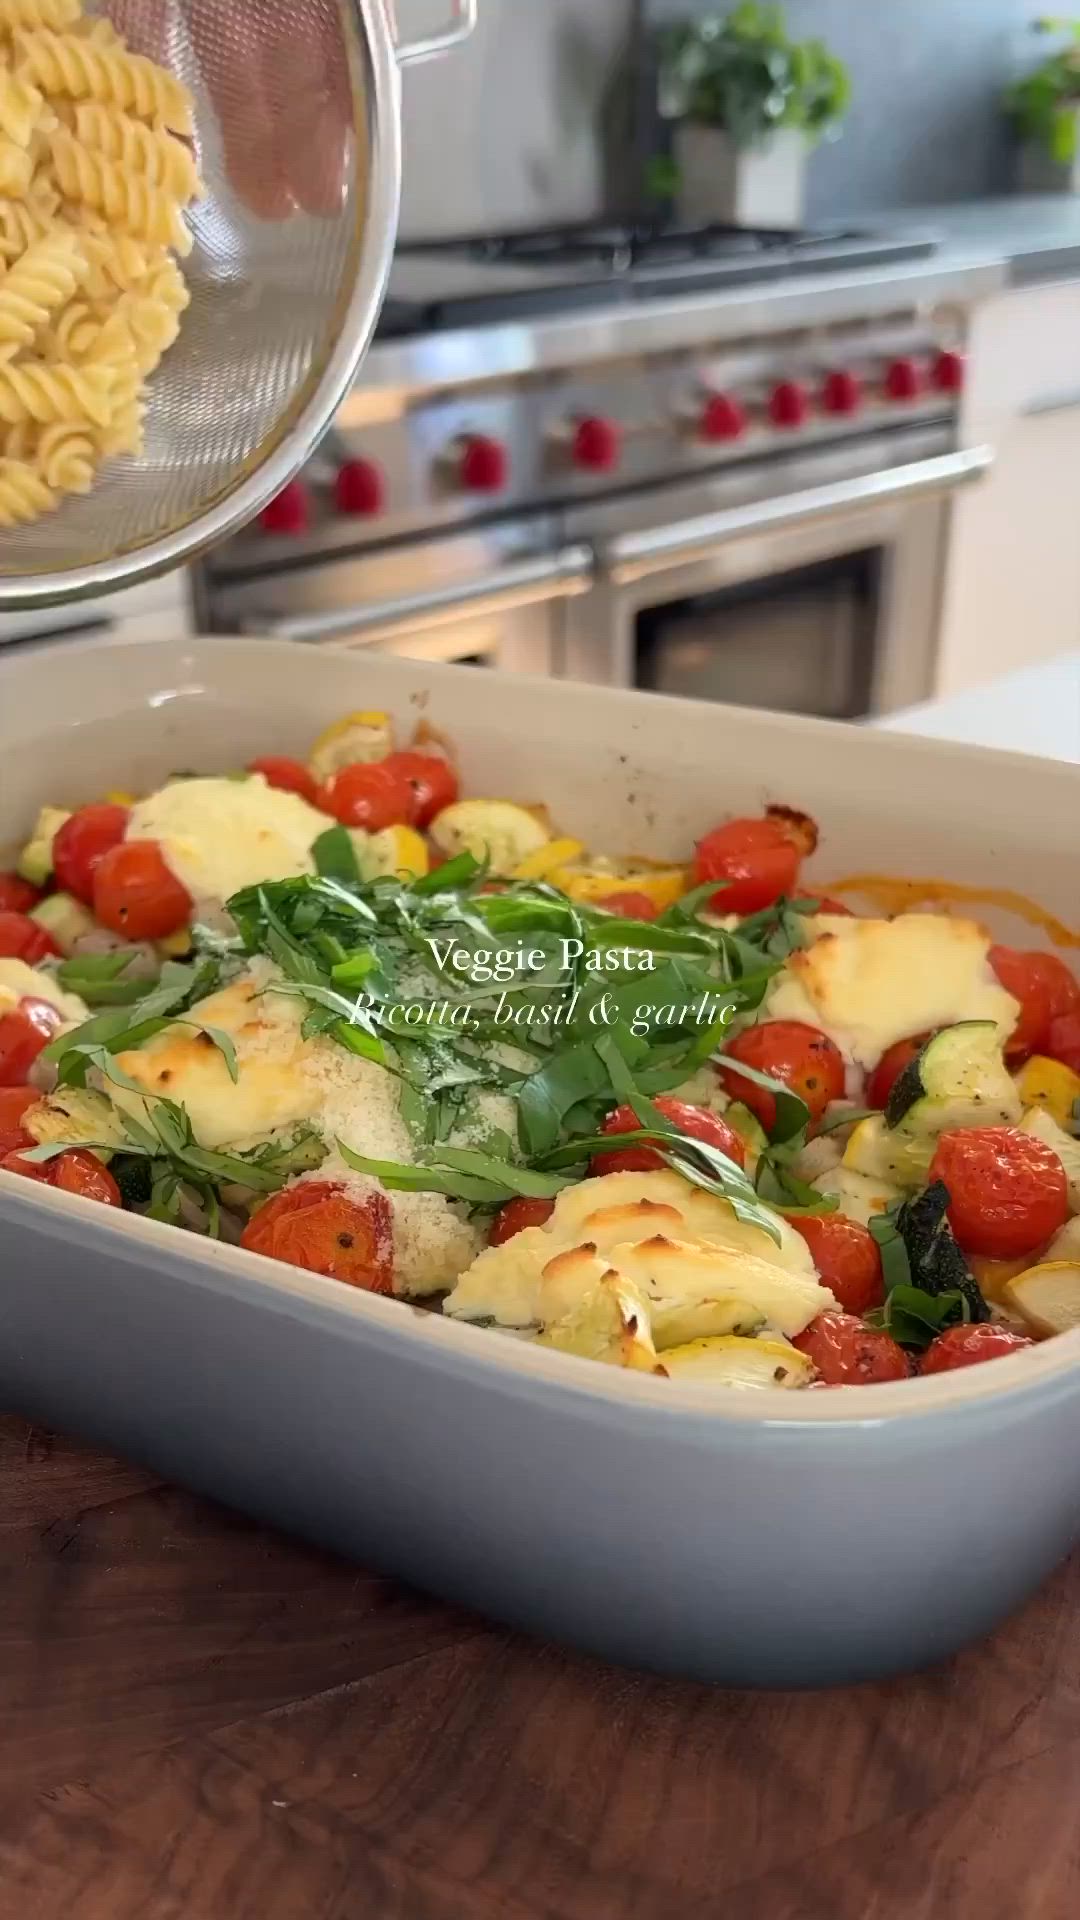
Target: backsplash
925 124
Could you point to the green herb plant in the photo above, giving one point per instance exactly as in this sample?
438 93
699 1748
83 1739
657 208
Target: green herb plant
744 73
1044 105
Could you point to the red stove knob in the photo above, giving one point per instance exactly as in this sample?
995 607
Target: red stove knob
289 511
722 418
360 489
484 465
789 405
597 444
842 392
903 379
949 371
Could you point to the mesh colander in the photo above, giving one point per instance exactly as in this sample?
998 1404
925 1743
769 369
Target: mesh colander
296 101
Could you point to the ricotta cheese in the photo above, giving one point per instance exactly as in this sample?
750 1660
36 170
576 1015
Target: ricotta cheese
219 836
20 982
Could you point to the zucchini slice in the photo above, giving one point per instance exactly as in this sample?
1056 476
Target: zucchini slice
889 1154
1042 1127
958 1079
735 1362
1047 1298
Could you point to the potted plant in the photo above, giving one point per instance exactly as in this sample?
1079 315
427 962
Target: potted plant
749 101
1044 108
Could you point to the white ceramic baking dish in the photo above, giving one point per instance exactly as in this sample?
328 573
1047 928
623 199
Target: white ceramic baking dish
801 1539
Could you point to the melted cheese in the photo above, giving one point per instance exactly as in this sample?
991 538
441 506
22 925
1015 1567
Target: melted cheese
219 836
20 982
869 983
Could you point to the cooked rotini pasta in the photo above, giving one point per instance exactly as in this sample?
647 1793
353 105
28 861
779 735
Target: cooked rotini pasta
122 196
96 171
161 160
44 279
24 493
84 69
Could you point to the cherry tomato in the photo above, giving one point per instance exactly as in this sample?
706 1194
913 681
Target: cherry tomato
515 1216
969 1346
24 1031
1025 983
22 939
16 894
14 1102
758 858
76 1171
800 1057
697 1122
631 905
320 1227
368 794
137 895
1063 1040
889 1068
432 780
80 844
290 776
847 1354
847 1258
1007 1191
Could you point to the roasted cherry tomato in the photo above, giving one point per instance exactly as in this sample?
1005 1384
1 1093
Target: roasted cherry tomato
516 1216
758 859
24 1031
432 780
889 1068
1063 1040
320 1226
76 1171
1046 991
16 894
847 1354
969 1346
291 776
846 1257
137 895
22 939
697 1122
368 794
14 1103
81 842
1007 1191
800 1057
630 905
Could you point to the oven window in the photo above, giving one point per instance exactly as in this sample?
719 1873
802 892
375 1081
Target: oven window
799 642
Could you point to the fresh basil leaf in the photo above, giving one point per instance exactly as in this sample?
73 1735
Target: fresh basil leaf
222 1042
462 871
914 1317
895 1266
399 1178
690 905
780 1188
334 854
516 1180
792 1113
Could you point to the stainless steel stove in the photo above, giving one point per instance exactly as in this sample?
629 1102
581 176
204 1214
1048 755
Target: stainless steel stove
699 460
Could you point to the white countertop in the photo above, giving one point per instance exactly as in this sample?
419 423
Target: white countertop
1034 711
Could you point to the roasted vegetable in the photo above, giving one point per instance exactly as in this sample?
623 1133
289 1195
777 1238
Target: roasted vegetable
958 1079
1047 1297
738 1363
1052 1085
936 1262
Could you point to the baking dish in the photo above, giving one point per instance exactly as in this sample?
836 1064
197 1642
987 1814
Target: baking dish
838 1536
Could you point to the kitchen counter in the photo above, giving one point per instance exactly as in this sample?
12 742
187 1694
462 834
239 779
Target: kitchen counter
1038 234
1034 711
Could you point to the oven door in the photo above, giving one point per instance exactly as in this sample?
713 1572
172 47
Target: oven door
809 584
491 598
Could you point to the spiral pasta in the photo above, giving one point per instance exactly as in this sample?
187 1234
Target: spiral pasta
35 390
16 169
20 107
44 279
123 197
56 14
24 493
66 457
84 69
149 151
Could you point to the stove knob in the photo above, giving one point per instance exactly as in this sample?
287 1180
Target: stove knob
903 379
289 511
360 489
722 418
949 372
842 392
789 405
483 464
597 444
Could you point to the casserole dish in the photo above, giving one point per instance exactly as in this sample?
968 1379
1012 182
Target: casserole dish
825 1538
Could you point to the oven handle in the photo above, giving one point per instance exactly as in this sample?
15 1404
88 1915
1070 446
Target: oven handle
633 556
523 583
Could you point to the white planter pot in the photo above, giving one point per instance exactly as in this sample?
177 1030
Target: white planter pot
1040 173
740 186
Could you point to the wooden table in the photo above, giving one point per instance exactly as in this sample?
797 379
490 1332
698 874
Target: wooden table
205 1721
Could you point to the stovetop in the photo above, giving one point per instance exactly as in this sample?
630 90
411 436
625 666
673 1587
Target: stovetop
482 279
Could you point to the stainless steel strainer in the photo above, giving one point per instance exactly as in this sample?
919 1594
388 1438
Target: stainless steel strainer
298 116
